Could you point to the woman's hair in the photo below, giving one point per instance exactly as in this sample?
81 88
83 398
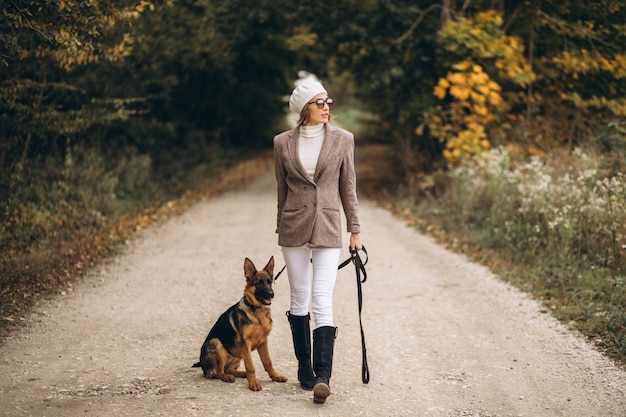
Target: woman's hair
305 116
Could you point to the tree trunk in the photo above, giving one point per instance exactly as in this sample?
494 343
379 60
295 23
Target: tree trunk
446 12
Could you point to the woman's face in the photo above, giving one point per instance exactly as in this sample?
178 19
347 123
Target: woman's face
317 115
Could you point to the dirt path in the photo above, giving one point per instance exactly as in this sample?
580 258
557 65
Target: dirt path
444 337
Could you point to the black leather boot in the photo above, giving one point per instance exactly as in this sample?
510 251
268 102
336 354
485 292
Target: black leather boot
323 348
301 332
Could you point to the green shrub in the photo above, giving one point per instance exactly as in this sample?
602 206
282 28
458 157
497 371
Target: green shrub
561 219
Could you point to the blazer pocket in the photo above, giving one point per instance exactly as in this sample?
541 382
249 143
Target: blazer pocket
290 213
332 218
292 209
294 220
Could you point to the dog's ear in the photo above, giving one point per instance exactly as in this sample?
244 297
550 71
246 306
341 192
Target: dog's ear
248 268
269 268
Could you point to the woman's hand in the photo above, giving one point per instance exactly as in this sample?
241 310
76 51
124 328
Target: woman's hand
355 242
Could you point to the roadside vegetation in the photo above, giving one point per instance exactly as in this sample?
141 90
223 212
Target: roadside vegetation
496 125
553 226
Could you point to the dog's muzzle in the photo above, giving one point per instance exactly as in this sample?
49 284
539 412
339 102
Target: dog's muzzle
265 296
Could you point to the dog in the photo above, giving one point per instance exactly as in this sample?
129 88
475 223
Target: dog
241 329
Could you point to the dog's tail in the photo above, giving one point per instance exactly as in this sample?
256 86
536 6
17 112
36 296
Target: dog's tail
196 365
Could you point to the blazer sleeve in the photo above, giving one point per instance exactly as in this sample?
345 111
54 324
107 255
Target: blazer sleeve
281 180
347 187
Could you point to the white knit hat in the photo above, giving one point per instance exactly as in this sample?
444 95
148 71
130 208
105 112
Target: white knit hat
303 93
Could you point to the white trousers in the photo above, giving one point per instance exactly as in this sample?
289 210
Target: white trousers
320 292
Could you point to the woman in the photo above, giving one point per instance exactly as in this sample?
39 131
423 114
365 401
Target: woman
314 165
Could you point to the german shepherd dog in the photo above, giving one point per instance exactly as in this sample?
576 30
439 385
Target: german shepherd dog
241 329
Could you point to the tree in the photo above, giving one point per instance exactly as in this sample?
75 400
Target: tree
581 66
476 114
43 107
40 43
219 69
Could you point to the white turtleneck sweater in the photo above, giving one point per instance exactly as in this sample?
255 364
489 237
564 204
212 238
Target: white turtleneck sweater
309 145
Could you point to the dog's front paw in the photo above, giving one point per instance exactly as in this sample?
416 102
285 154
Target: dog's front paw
278 378
254 385
226 377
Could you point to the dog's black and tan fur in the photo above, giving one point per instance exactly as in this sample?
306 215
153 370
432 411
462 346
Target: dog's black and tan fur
241 329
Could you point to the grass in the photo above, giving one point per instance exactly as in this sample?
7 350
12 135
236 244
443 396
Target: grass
49 251
554 227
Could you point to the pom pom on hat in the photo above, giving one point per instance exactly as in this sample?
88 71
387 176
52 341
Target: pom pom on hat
303 93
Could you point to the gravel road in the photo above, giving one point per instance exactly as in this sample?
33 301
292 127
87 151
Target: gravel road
444 336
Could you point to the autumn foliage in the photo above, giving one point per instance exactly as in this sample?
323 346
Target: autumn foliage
476 114
110 108
464 124
553 92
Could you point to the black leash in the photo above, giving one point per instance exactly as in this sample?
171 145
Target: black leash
279 272
359 267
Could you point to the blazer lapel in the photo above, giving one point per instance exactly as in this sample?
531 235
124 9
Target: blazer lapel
327 146
294 154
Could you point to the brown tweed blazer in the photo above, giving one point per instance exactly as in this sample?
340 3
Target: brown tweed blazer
309 211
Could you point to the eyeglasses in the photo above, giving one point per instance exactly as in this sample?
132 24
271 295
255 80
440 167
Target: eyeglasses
320 102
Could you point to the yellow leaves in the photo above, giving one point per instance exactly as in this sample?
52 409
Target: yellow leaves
463 66
477 97
482 37
478 77
475 108
495 99
476 105
304 36
619 66
439 92
467 143
444 83
451 155
133 13
456 78
490 17
616 106
62 36
480 110
483 89
473 86
440 89
301 40
586 64
580 62
494 86
123 48
74 29
517 71
460 92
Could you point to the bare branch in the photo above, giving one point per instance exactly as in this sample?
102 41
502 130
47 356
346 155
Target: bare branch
588 35
417 21
511 18
465 6
17 8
